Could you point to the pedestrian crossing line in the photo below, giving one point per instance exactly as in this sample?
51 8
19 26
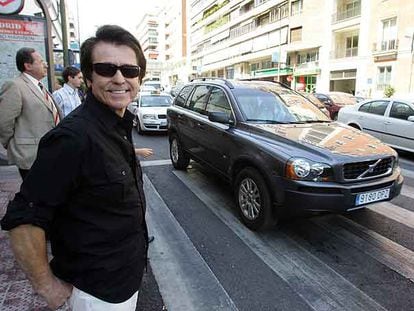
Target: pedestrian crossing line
321 287
393 212
408 191
155 163
184 278
380 248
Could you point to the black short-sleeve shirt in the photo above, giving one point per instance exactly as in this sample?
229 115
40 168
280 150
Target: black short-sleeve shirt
85 189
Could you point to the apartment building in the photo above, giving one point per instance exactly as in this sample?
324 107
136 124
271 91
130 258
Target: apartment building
150 35
176 63
355 46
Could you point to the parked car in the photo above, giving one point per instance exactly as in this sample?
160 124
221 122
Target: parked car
314 100
150 109
278 151
334 101
390 120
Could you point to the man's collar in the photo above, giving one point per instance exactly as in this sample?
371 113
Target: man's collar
31 78
69 88
105 114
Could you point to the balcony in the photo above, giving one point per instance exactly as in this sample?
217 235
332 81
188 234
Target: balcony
342 15
344 53
385 50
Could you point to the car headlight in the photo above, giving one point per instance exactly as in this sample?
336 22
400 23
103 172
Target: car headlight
148 116
304 169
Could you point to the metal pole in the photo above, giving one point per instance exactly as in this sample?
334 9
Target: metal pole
64 25
50 60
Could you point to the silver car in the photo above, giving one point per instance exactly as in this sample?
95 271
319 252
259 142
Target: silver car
150 109
390 120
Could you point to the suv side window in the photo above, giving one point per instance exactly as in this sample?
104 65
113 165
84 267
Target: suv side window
199 99
401 111
365 107
218 102
183 95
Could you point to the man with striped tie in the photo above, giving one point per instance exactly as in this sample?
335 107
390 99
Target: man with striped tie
27 110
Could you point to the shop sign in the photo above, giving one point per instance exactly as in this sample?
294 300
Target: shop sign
307 71
8 7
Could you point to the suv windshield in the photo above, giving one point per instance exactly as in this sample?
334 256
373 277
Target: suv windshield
276 105
155 101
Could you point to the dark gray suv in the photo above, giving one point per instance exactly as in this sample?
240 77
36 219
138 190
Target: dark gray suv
279 152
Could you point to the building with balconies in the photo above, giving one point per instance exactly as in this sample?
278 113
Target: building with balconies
149 34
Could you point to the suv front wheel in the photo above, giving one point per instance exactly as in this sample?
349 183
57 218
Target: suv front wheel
180 159
253 200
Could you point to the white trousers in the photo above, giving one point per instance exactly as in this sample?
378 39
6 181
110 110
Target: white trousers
81 301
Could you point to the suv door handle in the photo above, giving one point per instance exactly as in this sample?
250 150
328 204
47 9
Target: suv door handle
387 122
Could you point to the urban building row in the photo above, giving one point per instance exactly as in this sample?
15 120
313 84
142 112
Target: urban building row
355 46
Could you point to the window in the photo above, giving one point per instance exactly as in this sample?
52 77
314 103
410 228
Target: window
199 98
377 107
183 95
389 34
217 102
384 77
401 111
351 46
296 7
296 34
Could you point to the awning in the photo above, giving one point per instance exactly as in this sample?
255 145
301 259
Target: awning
293 47
271 72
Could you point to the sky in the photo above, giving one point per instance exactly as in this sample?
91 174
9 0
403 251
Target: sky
94 13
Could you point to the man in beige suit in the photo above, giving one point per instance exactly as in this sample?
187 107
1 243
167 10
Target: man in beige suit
27 110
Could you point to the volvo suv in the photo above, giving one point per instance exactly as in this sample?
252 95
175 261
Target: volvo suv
279 152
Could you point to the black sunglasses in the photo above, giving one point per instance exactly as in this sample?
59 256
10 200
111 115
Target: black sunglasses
109 70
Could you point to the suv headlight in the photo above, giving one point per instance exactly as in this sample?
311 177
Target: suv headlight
304 169
148 116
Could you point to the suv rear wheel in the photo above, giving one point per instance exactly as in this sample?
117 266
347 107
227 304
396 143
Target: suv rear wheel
180 159
253 200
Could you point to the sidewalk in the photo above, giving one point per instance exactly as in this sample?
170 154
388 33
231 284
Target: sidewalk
15 290
16 293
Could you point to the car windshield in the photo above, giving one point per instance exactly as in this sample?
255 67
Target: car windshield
156 101
277 104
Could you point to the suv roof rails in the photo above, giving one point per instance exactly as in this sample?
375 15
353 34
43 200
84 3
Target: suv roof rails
227 82
271 81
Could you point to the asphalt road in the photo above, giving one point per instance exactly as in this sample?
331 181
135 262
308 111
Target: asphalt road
203 258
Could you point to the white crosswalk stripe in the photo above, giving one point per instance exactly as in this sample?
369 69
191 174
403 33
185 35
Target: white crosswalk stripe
394 212
199 289
306 274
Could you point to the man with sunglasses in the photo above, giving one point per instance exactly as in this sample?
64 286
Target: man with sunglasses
85 190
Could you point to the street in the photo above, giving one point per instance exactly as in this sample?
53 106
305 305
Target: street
203 258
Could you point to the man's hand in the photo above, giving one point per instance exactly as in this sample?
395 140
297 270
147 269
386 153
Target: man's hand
55 292
144 152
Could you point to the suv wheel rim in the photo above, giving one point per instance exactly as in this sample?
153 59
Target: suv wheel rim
249 199
174 150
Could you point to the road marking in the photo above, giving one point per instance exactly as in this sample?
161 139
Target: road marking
407 191
321 287
407 173
155 163
184 278
393 212
382 249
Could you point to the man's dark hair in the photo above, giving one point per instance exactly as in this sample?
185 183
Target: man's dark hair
69 72
115 35
24 56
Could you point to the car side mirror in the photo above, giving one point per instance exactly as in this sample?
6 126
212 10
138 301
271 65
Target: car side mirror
219 117
411 118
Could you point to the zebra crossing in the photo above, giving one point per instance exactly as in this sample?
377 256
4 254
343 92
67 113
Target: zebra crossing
360 261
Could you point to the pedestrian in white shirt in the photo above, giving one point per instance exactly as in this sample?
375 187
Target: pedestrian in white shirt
67 97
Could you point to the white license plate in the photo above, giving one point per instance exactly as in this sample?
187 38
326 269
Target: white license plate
372 196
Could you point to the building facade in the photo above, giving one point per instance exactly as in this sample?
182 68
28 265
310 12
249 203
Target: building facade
355 46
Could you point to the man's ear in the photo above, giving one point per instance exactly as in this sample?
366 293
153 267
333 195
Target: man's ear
27 66
88 83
